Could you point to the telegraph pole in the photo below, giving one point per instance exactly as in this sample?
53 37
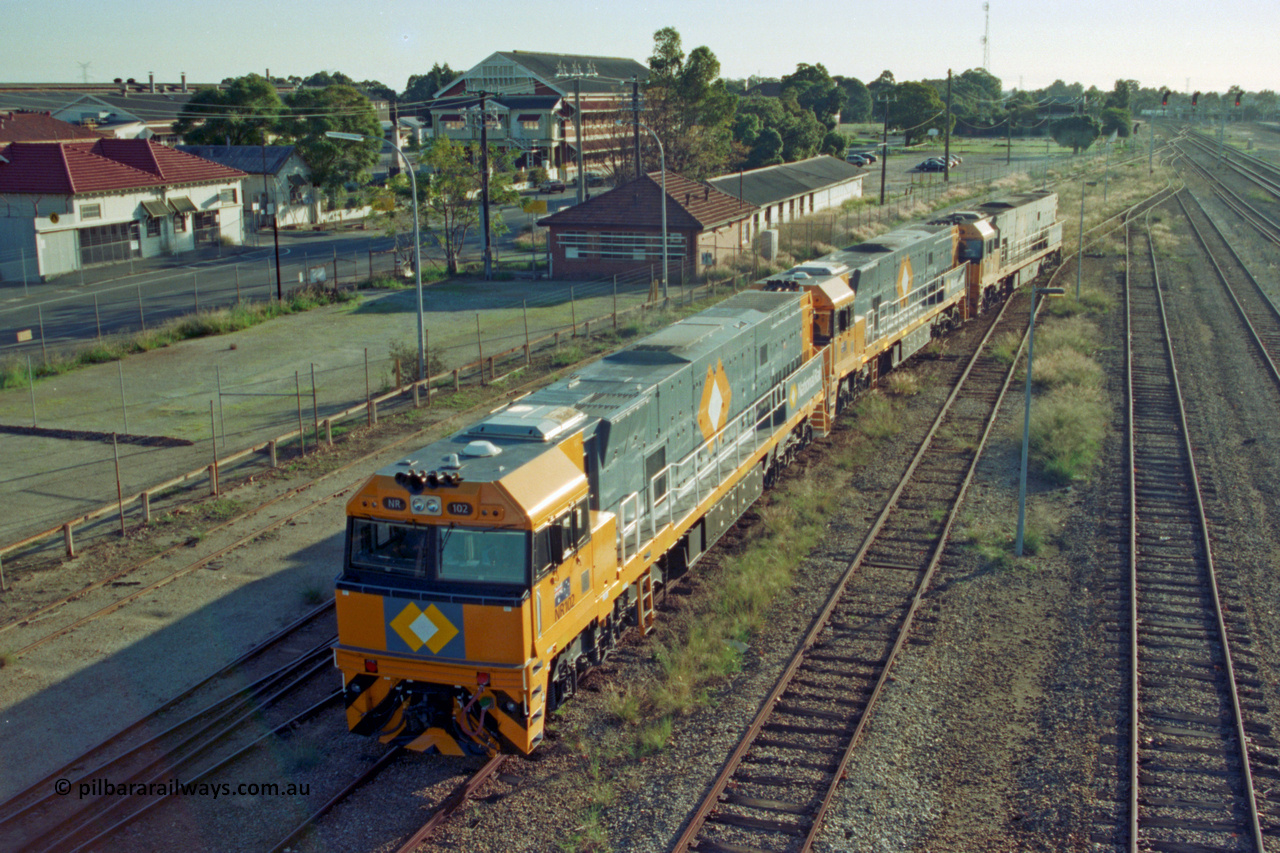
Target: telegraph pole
484 186
884 160
577 137
635 123
946 135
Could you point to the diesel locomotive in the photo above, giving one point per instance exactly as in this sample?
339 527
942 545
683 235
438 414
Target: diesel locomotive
484 573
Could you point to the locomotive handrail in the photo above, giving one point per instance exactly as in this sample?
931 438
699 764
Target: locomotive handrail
725 444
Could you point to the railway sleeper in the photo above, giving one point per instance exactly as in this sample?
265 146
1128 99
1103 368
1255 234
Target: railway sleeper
766 804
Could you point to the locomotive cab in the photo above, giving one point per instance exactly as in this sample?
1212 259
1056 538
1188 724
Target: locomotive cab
465 570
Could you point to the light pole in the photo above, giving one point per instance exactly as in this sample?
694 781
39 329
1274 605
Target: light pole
417 238
1026 418
662 155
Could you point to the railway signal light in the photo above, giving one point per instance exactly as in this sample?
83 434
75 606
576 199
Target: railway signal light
1164 99
1238 94
1195 98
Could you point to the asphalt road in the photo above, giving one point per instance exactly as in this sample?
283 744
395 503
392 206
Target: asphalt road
127 297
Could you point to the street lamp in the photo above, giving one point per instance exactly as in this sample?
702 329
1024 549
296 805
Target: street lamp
663 160
1026 419
417 238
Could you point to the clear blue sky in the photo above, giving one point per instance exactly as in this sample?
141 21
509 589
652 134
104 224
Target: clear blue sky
1032 42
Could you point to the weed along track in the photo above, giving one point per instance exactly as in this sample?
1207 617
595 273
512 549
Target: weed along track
775 789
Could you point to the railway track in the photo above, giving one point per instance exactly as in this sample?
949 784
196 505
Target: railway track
774 791
1190 785
157 748
1250 213
1258 312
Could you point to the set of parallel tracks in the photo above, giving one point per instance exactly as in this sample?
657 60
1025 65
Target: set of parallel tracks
1190 781
43 818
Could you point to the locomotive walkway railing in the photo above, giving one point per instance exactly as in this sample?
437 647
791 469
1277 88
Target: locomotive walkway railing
678 489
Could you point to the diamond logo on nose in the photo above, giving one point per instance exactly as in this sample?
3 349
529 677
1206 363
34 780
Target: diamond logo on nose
418 628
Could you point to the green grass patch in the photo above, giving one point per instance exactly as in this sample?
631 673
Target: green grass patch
1004 347
220 321
874 416
1067 429
567 355
653 737
1066 366
221 509
904 383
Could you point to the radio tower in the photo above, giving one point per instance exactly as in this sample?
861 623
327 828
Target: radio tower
84 70
986 37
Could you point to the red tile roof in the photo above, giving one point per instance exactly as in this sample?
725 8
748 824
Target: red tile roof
71 168
691 206
23 126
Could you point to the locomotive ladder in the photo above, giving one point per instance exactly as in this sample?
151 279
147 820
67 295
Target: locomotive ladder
774 790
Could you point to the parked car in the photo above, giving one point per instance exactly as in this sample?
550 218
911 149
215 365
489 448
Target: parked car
933 164
868 156
856 159
594 179
552 186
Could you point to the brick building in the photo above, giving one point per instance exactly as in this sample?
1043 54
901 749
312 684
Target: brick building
621 230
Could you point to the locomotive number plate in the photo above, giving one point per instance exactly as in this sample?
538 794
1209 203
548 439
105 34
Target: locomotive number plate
459 508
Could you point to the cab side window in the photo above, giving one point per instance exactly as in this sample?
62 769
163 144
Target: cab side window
563 536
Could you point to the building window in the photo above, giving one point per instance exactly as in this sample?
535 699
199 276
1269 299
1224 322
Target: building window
227 196
90 211
179 223
102 244
621 246
153 226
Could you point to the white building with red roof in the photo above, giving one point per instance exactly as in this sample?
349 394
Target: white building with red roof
69 205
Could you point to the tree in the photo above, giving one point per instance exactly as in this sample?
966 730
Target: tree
324 79
376 89
422 88
833 144
689 107
1075 132
977 97
882 85
451 199
1116 120
244 113
767 150
857 100
814 90
1118 98
800 132
334 163
917 108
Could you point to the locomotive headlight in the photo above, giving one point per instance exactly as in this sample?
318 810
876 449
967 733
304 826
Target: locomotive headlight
425 505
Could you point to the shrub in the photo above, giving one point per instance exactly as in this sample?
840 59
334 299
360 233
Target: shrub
904 384
874 416
1066 366
1067 428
